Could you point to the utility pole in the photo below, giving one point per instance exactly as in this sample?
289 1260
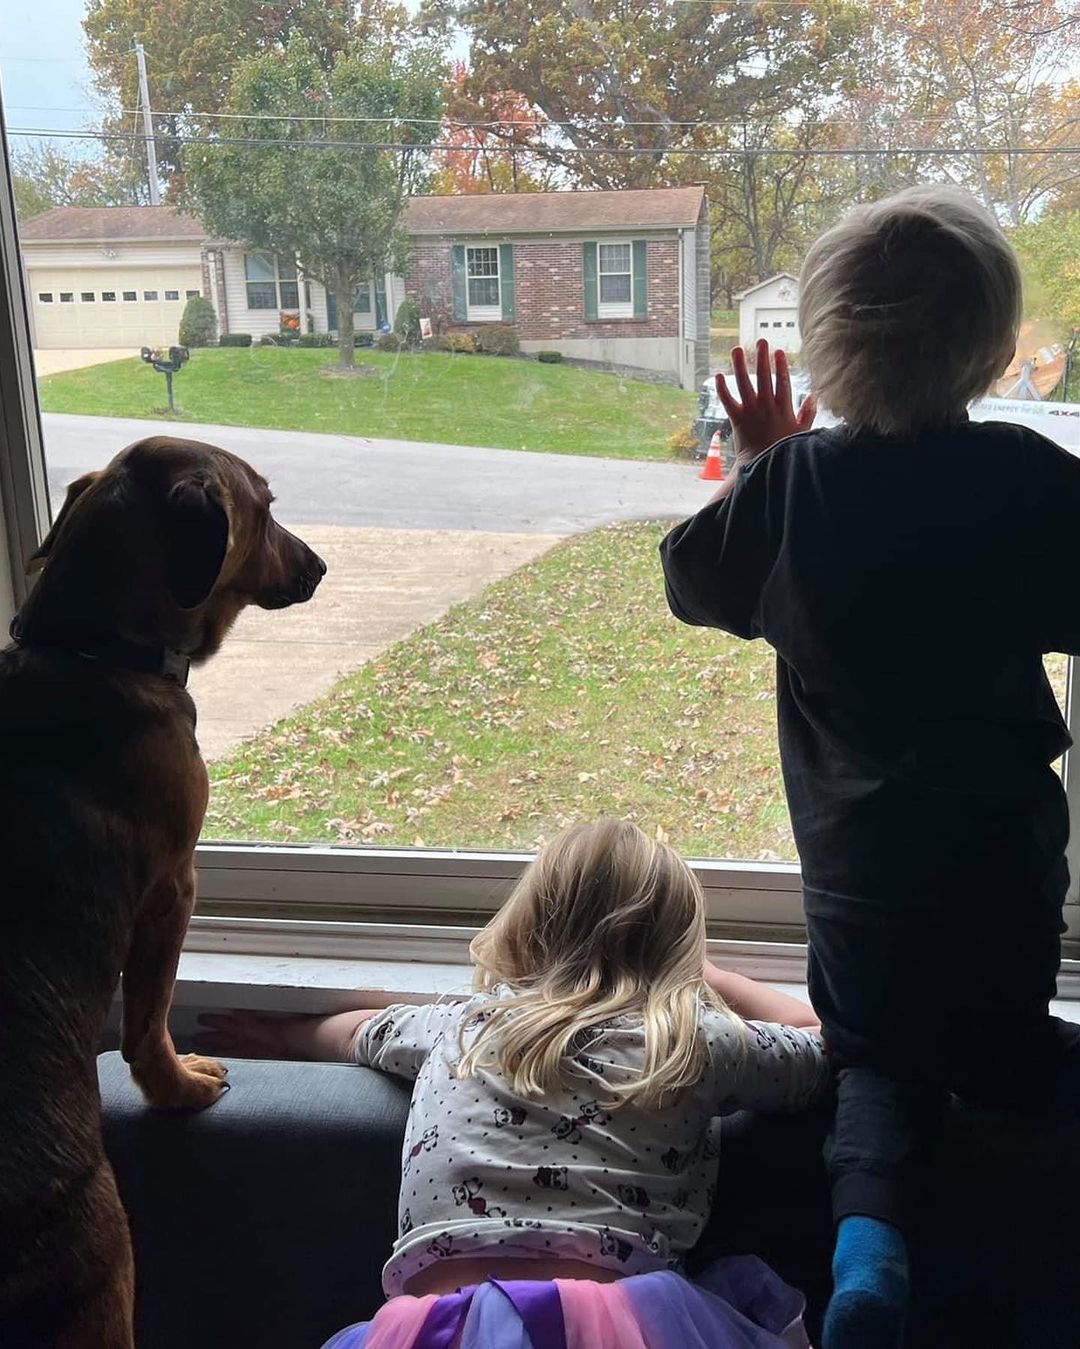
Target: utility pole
148 128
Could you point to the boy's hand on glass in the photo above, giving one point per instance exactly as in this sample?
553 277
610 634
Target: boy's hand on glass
762 416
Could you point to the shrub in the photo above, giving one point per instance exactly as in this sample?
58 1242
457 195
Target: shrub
362 340
549 357
407 324
198 323
498 339
390 342
462 344
234 340
315 340
269 340
683 442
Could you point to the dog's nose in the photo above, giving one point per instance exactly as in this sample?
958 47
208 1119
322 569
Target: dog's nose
322 564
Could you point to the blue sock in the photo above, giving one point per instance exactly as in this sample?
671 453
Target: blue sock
870 1287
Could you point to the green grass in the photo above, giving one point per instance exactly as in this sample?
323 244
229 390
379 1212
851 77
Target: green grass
725 318
465 400
565 692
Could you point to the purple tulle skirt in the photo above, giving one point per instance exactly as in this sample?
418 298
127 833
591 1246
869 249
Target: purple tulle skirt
738 1303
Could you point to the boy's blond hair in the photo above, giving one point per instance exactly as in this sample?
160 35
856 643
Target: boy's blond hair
909 309
604 923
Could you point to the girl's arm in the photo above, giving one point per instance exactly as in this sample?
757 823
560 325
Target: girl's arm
263 1035
757 1002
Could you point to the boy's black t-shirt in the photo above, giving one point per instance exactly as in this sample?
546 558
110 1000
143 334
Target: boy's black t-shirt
910 590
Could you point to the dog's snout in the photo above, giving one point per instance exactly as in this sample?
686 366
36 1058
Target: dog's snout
320 564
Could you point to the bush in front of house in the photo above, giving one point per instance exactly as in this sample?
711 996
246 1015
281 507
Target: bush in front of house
362 340
315 340
407 325
458 343
498 339
198 323
234 340
549 357
390 342
683 443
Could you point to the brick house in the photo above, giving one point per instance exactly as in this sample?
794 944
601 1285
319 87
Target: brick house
617 279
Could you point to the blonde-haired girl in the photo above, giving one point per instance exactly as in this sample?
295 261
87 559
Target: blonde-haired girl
558 1161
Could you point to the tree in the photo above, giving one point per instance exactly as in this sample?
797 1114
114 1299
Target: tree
984 81
192 48
45 176
494 140
308 186
614 77
1050 251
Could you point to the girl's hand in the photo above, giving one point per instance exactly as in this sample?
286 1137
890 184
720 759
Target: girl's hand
765 414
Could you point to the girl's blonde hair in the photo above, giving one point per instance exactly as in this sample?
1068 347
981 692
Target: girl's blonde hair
604 923
909 308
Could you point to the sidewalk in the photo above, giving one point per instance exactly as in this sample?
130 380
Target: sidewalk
381 585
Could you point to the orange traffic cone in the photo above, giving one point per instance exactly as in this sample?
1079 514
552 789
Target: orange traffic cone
713 470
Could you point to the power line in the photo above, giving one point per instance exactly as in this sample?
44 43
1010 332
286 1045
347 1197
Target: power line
724 152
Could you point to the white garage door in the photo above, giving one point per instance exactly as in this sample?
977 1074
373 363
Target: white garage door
779 326
131 307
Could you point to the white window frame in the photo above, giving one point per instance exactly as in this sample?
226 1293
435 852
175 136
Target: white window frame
278 281
621 309
483 313
422 904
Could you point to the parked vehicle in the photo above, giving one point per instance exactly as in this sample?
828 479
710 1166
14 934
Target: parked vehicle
1059 422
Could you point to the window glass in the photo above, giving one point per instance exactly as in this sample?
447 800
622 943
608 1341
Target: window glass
108 295
489 467
483 266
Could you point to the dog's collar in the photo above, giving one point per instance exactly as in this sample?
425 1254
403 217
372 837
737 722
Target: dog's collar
158 660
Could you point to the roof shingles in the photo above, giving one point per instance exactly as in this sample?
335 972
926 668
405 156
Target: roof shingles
92 224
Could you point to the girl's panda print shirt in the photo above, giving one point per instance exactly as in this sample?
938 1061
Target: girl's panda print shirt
630 1189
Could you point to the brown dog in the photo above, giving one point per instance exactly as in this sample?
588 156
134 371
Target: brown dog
102 795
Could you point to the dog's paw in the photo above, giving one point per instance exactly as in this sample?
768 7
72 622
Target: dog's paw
190 1082
196 1063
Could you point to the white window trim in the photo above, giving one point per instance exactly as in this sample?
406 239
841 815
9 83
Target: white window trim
623 309
315 902
483 313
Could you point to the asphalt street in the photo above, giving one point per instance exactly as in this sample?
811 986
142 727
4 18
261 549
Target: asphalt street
394 484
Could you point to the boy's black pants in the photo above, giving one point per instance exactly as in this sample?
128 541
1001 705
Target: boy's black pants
919 1002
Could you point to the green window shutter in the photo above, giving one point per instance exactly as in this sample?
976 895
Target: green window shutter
591 289
641 280
506 282
457 267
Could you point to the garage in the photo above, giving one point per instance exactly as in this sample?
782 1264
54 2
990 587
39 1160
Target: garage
116 276
77 307
770 310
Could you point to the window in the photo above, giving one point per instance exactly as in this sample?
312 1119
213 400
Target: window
108 296
67 297
150 295
271 282
484 293
45 296
615 269
490 660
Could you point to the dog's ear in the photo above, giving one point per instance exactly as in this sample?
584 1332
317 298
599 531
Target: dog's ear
196 538
75 490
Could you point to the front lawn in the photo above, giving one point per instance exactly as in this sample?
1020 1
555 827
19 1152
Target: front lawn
464 400
566 691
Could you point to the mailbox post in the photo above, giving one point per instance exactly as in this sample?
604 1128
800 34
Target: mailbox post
166 364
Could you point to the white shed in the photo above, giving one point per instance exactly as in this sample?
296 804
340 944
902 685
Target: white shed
771 310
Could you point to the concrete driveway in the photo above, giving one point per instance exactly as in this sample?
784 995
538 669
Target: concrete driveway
71 358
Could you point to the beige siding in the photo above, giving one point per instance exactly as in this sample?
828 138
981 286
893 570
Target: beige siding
106 257
257 322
